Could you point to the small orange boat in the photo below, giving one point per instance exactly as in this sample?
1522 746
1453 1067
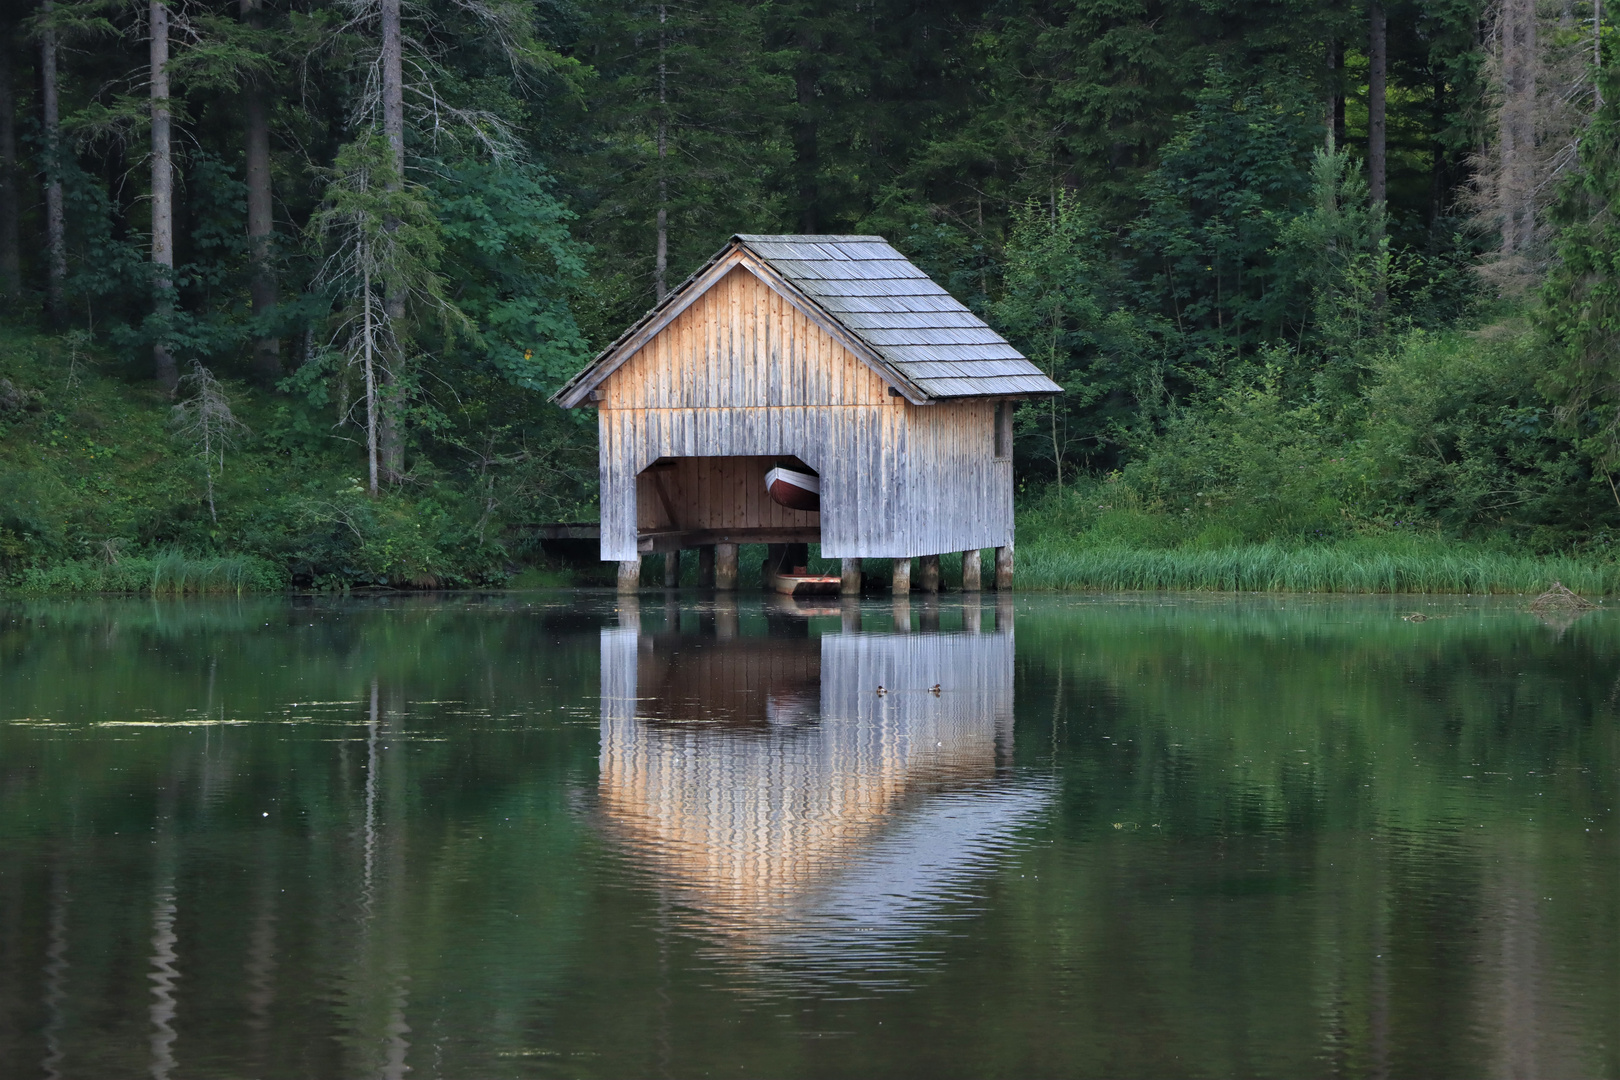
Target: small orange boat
807 584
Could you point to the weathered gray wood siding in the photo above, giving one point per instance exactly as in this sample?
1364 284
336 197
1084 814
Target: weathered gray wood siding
742 372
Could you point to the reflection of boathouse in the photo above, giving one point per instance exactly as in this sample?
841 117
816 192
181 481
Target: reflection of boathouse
749 774
835 357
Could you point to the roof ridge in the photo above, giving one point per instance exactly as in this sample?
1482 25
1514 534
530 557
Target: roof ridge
810 238
942 349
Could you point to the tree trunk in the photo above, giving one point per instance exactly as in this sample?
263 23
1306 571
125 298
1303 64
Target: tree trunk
1331 133
661 257
391 440
260 220
10 244
370 367
162 193
1597 55
55 221
1516 179
1438 162
1377 75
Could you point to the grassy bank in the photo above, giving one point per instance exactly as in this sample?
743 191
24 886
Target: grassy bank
1350 567
166 573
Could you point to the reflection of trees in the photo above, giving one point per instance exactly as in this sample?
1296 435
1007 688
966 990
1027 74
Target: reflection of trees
242 942
1402 784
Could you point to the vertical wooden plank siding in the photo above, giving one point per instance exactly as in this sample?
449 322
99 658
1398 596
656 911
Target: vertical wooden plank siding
743 374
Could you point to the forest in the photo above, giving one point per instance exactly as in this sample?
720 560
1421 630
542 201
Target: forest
1333 288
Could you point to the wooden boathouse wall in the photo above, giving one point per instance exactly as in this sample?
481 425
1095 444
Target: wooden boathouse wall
743 373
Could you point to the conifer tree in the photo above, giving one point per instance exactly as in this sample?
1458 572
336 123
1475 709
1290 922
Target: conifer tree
1582 294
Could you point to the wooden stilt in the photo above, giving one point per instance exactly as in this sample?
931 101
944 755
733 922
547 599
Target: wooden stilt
902 577
1004 613
1004 568
726 621
725 567
850 577
971 571
629 575
850 611
928 615
928 573
706 566
672 569
775 563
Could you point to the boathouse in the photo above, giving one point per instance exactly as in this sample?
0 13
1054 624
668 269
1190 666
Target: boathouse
832 357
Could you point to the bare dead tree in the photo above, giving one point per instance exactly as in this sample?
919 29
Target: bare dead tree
205 421
1542 97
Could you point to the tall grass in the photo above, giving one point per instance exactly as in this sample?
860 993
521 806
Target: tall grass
1268 567
162 573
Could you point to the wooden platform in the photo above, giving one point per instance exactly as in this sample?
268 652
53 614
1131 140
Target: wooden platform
683 539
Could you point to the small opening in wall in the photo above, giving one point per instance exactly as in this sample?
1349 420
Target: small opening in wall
1004 411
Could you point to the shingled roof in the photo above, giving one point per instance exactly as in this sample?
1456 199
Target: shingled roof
897 316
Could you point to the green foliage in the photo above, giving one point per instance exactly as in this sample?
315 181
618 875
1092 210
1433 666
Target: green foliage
1057 306
1341 254
517 269
1234 174
1460 436
1582 320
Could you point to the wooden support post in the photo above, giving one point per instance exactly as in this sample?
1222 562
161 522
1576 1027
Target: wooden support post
971 571
629 575
775 563
902 577
672 569
726 620
1004 568
706 566
928 615
850 612
725 567
928 573
1004 613
850 577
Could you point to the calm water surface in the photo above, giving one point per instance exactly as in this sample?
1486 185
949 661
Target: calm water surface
554 834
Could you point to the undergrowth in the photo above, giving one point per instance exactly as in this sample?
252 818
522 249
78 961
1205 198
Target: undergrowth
167 573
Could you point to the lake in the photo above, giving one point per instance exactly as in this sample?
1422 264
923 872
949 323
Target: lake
565 834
